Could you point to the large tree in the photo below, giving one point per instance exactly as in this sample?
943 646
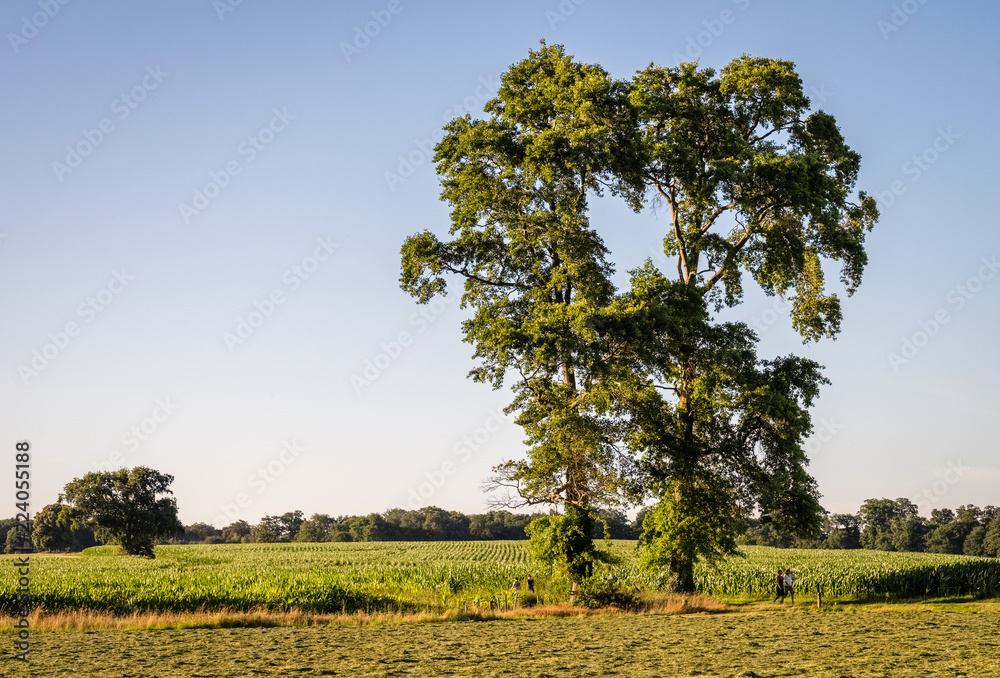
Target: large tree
753 184
125 507
535 273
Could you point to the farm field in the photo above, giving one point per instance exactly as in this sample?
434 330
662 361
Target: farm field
872 641
434 576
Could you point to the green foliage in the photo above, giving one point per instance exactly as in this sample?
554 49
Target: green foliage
719 431
123 507
908 533
605 588
498 525
562 544
744 143
14 540
991 540
273 529
877 515
235 532
692 520
317 528
48 534
842 532
973 545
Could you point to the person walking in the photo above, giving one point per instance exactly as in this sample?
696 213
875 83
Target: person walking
530 584
789 590
780 589
516 586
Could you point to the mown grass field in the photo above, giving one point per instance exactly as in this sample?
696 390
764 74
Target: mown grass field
413 576
882 641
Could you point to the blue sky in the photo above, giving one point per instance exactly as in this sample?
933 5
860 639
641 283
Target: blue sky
204 203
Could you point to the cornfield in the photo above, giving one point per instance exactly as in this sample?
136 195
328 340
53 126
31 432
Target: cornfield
390 576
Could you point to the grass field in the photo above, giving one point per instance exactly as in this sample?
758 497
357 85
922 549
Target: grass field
413 576
885 641
311 591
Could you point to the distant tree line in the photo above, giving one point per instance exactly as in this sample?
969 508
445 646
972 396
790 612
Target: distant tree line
880 524
894 525
427 524
50 533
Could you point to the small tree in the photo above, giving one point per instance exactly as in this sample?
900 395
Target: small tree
124 507
15 540
199 533
909 533
49 534
234 532
876 516
842 531
268 531
316 529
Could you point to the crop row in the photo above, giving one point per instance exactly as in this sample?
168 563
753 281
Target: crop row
401 575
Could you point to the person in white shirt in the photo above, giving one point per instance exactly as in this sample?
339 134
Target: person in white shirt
789 591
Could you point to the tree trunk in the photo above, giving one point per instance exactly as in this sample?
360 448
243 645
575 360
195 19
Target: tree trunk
682 579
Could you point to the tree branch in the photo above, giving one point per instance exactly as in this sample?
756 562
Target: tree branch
729 259
471 276
682 265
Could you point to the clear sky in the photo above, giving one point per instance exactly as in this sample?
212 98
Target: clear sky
204 202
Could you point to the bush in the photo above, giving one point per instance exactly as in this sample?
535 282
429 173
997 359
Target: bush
527 600
605 589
